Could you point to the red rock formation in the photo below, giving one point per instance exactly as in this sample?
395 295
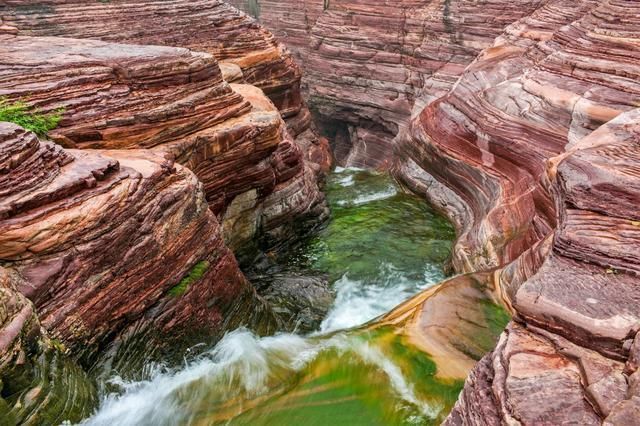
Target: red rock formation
39 384
175 102
84 226
533 153
536 191
368 65
94 226
510 111
581 305
222 31
229 35
486 152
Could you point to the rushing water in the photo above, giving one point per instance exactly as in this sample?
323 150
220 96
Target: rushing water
381 247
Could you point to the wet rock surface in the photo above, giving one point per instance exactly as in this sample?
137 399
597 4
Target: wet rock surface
301 302
39 384
528 141
531 154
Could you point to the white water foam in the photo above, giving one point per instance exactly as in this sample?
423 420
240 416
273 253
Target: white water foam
367 198
358 302
244 365
241 364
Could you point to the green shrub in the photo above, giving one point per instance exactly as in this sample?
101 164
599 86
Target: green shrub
20 113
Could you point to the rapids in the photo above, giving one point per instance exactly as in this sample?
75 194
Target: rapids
381 247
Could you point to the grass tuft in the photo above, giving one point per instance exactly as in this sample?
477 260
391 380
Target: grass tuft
22 114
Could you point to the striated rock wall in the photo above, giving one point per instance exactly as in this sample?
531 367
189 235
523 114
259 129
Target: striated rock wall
577 319
532 154
175 102
511 154
39 384
209 26
246 53
105 239
370 66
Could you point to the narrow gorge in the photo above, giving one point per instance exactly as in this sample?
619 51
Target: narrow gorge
341 212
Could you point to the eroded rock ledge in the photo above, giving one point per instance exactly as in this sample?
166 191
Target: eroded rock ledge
85 228
246 53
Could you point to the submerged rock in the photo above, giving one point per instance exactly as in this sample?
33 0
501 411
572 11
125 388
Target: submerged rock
532 154
301 302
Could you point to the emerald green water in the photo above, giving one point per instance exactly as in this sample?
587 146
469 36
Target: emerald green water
381 247
374 223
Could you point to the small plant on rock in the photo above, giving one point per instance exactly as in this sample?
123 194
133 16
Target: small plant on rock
22 114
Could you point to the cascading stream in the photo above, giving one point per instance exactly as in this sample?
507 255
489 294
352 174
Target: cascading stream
381 247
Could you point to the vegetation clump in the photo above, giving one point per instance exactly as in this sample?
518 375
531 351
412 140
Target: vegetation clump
194 275
22 114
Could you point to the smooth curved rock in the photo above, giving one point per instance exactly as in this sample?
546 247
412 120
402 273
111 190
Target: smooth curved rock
536 191
456 322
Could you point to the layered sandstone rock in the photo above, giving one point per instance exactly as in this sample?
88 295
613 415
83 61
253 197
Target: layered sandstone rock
456 322
209 26
511 154
580 306
513 109
368 65
247 52
108 239
175 102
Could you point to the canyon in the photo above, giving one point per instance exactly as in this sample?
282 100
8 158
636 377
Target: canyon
518 152
192 140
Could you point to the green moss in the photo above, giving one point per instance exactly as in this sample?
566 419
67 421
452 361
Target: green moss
495 319
59 345
22 114
194 275
347 386
496 316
